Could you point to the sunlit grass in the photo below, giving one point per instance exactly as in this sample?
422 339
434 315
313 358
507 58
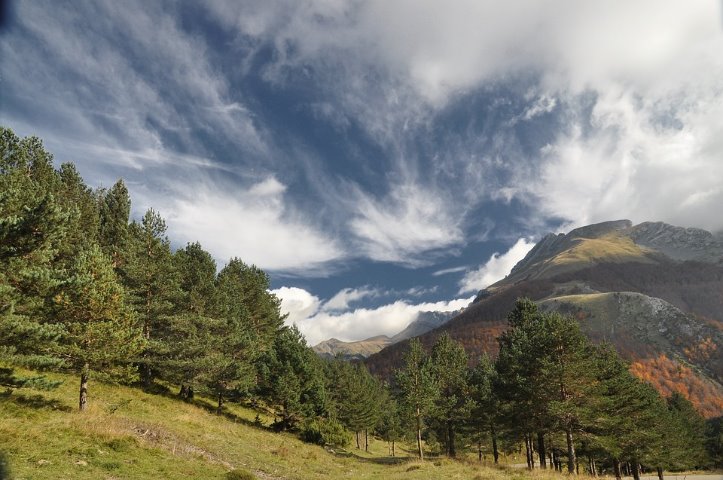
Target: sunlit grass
129 434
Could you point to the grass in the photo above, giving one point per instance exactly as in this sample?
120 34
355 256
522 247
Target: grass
586 252
129 434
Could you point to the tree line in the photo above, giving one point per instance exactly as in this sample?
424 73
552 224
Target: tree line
84 288
554 394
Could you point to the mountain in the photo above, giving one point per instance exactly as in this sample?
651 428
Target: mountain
653 290
351 350
423 323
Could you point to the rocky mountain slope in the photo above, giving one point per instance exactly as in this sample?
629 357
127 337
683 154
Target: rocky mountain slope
423 323
655 291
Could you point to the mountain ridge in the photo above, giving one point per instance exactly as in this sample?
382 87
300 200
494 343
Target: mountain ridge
671 276
423 323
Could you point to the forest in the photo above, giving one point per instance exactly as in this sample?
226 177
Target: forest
88 290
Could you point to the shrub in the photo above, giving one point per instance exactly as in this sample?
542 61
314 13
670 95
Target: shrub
240 475
324 431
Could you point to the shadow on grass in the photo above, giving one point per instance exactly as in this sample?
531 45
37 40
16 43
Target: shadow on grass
37 402
223 413
166 392
376 460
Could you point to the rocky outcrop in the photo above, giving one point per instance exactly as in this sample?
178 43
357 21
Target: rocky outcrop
678 243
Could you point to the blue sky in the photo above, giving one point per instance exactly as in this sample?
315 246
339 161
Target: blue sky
378 158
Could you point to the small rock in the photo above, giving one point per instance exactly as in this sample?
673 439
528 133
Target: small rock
82 463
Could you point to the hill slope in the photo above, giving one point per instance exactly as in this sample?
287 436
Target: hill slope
664 277
129 434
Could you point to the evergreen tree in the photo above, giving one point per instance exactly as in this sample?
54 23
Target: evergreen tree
114 209
683 443
82 226
32 229
519 380
569 377
714 440
357 397
154 291
291 375
101 333
482 421
389 427
190 337
451 406
417 386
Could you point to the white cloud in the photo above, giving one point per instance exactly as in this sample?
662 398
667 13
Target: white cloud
297 303
653 159
405 225
447 271
342 299
496 268
637 64
255 225
358 324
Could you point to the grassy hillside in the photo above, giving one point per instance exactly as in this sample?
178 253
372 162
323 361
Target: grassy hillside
129 434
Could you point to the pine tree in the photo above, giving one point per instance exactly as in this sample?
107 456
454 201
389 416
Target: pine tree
190 336
114 209
152 282
449 366
101 332
519 382
683 442
32 227
358 398
389 427
418 389
291 375
483 421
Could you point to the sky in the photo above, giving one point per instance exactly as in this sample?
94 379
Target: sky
378 158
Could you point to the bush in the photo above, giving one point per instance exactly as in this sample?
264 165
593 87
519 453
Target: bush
240 475
324 431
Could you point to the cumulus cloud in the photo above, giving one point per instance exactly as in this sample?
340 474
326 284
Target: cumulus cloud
496 268
255 225
297 303
356 324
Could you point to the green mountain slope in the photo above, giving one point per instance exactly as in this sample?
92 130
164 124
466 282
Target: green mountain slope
129 434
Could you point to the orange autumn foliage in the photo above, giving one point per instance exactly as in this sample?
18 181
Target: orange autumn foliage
669 376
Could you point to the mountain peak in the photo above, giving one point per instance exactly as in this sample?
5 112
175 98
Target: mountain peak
617 241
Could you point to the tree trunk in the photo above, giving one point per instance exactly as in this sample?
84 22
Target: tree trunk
393 453
528 452
571 460
83 397
636 469
479 450
145 372
357 441
541 449
551 454
366 440
220 402
495 452
419 434
450 437
593 468
660 473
